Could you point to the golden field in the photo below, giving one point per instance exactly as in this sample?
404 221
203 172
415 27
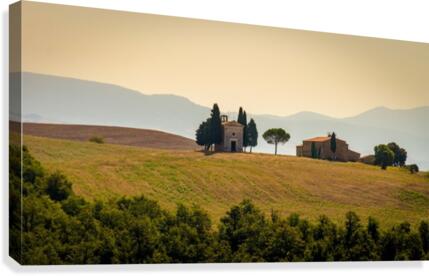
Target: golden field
215 182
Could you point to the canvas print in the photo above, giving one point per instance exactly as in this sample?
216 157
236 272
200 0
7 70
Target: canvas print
140 138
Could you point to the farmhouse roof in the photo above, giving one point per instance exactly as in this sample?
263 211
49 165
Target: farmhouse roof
232 123
318 139
321 139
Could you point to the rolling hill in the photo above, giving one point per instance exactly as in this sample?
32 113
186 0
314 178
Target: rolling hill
216 182
82 102
112 135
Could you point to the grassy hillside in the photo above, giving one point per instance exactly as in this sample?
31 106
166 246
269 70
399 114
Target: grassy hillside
112 135
215 182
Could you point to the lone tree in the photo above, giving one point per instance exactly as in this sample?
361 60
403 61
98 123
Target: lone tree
383 156
334 144
276 136
215 125
252 134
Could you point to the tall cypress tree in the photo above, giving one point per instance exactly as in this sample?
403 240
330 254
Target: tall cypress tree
252 134
216 125
334 144
240 115
245 138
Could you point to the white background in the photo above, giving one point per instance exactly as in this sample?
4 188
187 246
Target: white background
404 20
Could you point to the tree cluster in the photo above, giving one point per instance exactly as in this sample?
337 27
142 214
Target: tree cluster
390 155
399 154
250 132
55 226
209 132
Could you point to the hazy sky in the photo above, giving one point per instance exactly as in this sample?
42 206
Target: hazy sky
266 70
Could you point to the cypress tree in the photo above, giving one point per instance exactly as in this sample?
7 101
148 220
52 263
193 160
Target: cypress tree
252 134
240 115
334 144
215 125
245 138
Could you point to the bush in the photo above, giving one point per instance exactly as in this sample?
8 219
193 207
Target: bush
58 187
97 139
413 168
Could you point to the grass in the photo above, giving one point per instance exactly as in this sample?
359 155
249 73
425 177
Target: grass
215 182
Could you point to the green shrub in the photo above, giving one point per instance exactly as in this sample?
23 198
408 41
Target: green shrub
413 168
58 187
97 139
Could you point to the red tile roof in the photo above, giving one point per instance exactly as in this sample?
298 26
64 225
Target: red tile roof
318 139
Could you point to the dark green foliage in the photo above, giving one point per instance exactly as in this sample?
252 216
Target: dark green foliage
413 168
240 115
373 229
252 134
210 131
97 139
333 144
401 157
204 134
15 199
424 235
244 123
400 243
59 227
215 125
275 136
242 119
58 187
384 156
400 154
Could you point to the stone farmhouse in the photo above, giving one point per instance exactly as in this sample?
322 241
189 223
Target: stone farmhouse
323 147
232 136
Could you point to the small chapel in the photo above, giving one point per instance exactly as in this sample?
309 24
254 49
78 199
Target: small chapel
232 136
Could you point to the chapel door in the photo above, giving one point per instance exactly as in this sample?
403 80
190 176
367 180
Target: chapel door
233 146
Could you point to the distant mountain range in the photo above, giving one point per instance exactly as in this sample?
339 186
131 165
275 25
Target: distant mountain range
52 99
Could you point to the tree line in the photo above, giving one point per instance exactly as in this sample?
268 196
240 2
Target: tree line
209 132
59 227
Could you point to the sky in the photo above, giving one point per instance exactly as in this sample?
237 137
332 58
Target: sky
266 70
